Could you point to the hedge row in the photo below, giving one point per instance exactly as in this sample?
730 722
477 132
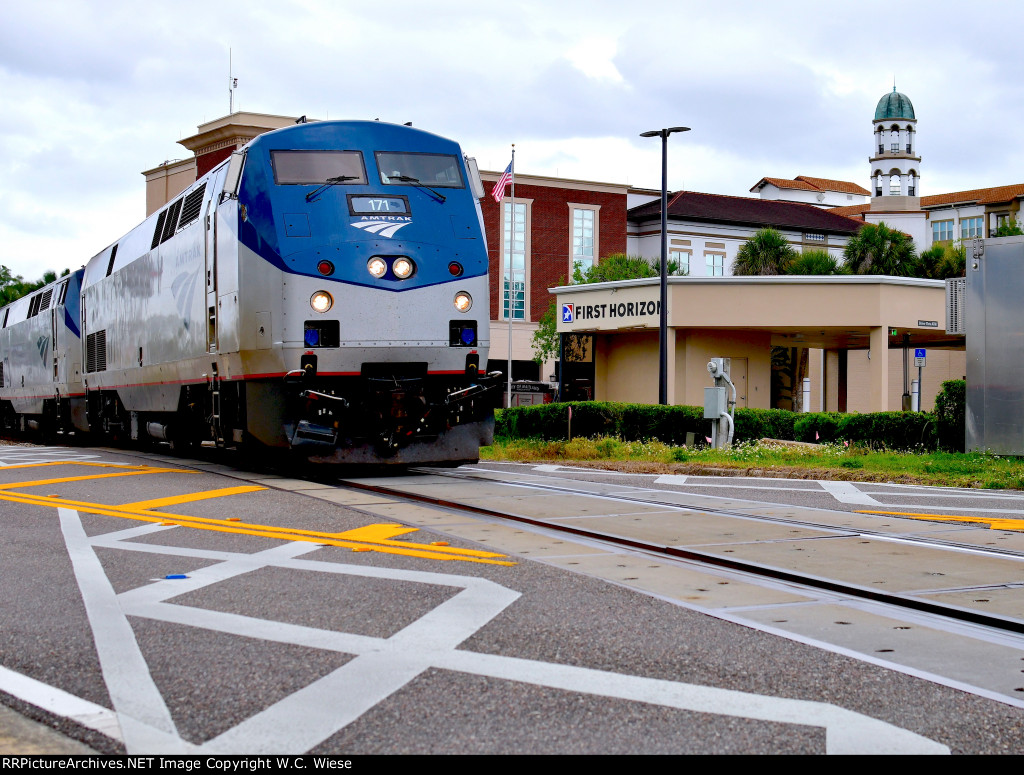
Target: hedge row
634 422
671 424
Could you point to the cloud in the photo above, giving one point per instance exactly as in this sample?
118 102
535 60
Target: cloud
94 93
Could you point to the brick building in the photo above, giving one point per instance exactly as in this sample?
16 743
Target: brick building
558 223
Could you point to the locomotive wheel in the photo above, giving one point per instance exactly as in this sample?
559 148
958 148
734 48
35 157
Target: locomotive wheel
183 443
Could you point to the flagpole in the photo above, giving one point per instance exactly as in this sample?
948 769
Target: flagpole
509 264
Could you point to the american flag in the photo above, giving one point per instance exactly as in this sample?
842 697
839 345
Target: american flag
499 188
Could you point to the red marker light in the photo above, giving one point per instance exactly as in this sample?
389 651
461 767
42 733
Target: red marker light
455 269
325 268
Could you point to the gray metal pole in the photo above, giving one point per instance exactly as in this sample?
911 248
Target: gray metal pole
663 312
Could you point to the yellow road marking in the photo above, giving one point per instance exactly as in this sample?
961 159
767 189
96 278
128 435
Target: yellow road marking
994 523
156 503
153 469
368 538
64 479
376 533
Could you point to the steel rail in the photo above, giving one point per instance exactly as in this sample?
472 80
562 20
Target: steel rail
855 591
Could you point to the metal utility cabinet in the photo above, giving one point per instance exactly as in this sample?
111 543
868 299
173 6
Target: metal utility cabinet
994 323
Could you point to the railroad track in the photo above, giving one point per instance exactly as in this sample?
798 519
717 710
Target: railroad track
996 622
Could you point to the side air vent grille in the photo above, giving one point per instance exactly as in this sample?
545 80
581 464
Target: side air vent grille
33 306
956 300
158 232
96 351
110 263
171 224
193 205
44 303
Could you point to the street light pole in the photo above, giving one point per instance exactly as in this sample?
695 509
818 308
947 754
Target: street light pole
663 331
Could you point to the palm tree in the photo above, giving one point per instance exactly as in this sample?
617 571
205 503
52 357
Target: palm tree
815 262
766 253
877 249
942 261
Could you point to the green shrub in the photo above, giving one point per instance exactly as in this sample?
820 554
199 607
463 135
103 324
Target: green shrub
671 424
950 415
819 427
754 424
888 430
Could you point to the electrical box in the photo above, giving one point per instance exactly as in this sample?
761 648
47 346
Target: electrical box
715 403
995 346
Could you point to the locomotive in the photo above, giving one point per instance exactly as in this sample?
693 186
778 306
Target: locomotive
324 289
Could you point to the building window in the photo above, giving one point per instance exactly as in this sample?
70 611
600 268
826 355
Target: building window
894 185
812 237
894 147
584 239
715 264
681 259
971 227
942 231
513 293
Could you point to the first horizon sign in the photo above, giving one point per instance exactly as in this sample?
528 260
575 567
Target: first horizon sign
609 310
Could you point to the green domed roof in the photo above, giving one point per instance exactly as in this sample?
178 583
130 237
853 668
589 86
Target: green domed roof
894 105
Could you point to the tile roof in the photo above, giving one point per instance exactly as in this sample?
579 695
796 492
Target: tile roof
748 210
807 183
783 183
852 211
981 196
842 186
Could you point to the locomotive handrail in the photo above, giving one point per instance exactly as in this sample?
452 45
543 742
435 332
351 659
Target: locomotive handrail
316 395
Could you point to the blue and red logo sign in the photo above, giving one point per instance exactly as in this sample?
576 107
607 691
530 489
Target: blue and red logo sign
567 313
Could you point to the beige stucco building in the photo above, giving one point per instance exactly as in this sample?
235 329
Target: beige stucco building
860 323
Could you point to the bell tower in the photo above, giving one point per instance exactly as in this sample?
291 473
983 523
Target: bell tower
896 169
895 163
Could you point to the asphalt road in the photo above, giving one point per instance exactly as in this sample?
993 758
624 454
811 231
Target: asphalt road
310 619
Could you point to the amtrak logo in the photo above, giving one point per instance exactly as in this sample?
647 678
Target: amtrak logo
381 228
43 344
184 289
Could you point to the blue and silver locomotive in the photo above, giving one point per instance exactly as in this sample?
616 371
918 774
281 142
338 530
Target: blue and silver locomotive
324 289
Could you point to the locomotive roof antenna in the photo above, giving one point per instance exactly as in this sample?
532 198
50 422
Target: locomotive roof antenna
232 85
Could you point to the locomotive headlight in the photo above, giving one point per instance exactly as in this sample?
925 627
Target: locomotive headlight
377 266
463 301
321 301
403 268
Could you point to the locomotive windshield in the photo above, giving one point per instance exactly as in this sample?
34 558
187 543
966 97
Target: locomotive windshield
430 169
317 167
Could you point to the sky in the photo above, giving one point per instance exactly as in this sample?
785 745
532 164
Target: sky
94 93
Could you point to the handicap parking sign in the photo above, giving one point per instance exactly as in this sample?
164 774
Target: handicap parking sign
567 313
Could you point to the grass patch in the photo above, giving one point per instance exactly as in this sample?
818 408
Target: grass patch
767 458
